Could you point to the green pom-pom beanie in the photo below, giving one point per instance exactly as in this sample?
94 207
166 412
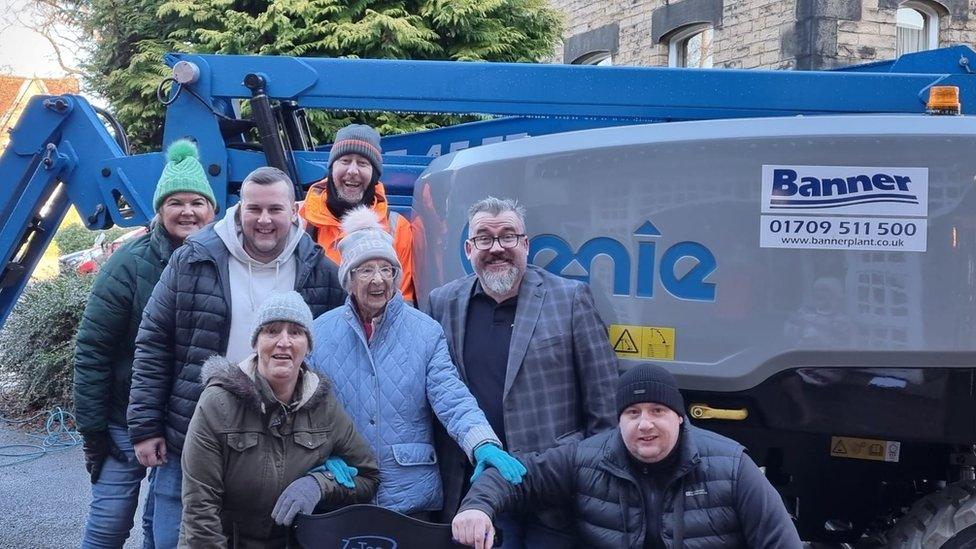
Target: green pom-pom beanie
183 173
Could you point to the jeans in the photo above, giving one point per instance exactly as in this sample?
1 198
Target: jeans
168 506
115 498
526 532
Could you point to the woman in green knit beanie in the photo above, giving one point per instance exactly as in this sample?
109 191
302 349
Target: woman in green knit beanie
184 203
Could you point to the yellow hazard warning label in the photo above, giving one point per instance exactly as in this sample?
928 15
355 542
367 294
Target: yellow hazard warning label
656 342
865 448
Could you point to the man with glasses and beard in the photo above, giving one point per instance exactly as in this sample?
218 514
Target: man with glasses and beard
533 350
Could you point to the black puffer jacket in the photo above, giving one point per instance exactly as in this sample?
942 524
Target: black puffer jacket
107 333
187 321
726 502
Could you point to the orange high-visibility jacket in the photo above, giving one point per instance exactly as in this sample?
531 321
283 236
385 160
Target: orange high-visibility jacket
327 230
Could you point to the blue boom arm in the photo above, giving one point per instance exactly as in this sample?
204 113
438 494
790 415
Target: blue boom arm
61 154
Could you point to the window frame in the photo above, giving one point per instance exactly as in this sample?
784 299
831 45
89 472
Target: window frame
930 21
595 58
679 39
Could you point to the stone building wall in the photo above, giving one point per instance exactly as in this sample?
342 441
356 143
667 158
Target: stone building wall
751 35
769 34
871 37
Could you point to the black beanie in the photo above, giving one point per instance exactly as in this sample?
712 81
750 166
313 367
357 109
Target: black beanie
649 383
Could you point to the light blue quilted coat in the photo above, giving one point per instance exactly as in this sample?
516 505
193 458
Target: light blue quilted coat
393 388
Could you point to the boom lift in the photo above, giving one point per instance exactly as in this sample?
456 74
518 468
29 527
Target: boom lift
61 154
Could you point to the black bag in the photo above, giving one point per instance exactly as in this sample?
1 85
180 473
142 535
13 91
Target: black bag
358 526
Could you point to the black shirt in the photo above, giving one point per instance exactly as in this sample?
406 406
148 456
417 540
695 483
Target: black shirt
487 336
653 479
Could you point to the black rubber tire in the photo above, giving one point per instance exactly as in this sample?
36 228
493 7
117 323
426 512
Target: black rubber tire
945 519
963 540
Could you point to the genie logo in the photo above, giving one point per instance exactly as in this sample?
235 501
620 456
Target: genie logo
844 189
690 285
368 542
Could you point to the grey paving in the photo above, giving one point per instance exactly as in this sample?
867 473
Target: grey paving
44 502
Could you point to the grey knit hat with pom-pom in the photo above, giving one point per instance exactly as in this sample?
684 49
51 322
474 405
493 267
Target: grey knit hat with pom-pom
183 173
365 239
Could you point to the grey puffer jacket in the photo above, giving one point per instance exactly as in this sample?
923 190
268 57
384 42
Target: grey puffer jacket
716 499
244 448
187 321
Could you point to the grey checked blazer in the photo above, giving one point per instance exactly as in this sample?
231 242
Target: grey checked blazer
561 378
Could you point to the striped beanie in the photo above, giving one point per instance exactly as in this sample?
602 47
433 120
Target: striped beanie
359 139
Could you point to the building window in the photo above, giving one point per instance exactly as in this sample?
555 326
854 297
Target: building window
691 47
917 25
599 58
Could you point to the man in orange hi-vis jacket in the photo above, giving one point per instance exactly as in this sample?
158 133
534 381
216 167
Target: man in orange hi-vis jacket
355 166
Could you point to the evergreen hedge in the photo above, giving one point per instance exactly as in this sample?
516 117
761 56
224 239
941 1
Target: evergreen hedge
37 342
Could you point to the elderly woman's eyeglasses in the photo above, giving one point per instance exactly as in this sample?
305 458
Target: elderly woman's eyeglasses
485 242
367 273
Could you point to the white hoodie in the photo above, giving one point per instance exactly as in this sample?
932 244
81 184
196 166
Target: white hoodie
252 281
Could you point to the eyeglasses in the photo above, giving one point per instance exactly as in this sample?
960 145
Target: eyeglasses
485 242
367 273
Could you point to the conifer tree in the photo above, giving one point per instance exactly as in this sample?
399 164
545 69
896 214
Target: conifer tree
130 37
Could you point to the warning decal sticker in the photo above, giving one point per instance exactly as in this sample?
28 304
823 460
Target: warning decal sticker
654 342
625 343
865 448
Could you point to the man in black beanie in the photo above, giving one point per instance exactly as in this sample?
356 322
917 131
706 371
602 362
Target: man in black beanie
654 482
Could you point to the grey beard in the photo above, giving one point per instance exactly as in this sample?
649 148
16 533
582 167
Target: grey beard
500 283
353 202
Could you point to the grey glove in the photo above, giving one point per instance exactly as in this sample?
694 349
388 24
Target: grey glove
301 496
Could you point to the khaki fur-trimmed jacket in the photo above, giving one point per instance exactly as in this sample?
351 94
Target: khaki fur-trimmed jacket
243 448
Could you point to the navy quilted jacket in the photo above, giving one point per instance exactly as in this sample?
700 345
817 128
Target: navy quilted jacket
187 321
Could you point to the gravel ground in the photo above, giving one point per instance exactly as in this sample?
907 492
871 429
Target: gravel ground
44 502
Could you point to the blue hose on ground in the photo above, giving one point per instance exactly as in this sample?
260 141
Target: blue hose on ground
56 436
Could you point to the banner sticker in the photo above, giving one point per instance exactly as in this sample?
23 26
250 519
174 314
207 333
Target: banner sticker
642 342
844 208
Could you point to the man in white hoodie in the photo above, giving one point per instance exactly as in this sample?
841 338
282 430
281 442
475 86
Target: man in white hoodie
202 306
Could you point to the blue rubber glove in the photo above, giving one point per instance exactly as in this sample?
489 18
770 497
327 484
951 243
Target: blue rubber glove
342 472
490 455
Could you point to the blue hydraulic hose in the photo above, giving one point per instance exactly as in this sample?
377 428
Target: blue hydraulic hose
56 436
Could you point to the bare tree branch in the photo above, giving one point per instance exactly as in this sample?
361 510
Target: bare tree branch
59 57
57 22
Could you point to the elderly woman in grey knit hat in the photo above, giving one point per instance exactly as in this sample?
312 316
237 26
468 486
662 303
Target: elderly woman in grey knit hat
394 375
260 434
